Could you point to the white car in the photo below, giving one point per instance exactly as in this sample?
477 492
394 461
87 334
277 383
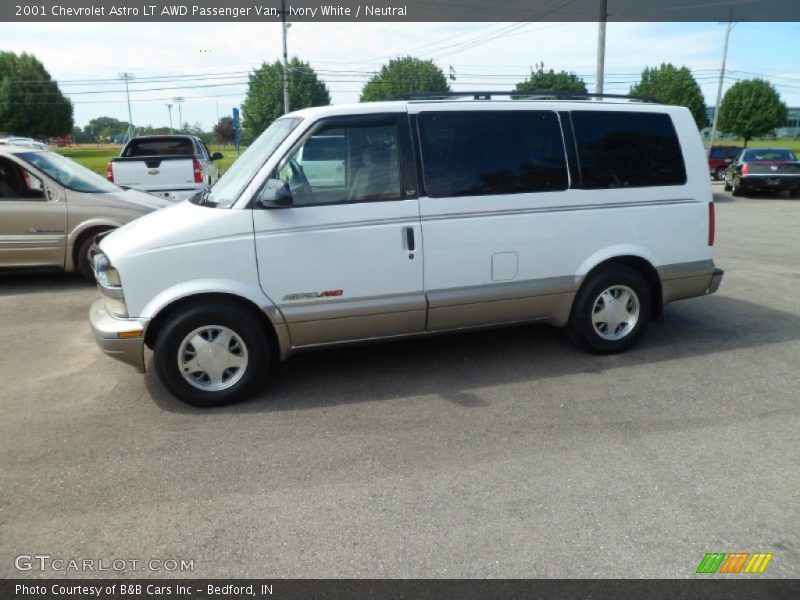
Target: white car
450 215
23 142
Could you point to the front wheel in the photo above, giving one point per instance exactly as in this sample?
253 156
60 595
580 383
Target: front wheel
611 311
212 355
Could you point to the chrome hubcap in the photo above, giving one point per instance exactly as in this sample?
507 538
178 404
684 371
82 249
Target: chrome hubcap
212 358
615 312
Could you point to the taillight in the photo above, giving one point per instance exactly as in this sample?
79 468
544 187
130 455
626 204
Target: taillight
198 171
110 172
712 224
745 169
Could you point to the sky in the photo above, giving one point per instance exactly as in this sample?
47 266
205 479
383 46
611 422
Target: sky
207 63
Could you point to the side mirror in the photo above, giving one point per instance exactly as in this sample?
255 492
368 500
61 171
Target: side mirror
275 192
216 156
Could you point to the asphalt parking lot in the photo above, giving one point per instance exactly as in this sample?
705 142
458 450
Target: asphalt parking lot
493 454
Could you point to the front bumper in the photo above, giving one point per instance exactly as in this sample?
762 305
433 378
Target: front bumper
122 339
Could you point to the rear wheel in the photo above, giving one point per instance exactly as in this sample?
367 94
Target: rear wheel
611 311
212 355
719 174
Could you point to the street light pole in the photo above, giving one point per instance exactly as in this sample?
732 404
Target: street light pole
179 100
285 60
721 80
601 46
169 108
127 77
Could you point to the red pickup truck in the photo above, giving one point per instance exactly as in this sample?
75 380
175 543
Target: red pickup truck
719 158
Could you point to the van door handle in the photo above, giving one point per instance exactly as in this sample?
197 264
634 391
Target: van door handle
410 238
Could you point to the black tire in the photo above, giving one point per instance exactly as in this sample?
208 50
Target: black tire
735 189
84 265
581 328
719 174
230 315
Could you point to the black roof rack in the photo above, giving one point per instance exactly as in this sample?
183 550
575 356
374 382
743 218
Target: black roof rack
539 95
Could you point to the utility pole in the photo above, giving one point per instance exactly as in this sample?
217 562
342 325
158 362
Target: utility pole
128 77
284 26
169 108
721 79
601 45
179 100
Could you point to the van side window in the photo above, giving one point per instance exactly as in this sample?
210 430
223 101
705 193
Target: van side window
17 183
345 164
481 153
627 149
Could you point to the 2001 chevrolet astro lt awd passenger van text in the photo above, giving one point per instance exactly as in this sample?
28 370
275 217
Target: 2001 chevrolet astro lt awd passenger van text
381 220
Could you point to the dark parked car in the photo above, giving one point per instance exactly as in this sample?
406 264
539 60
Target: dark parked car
720 158
773 170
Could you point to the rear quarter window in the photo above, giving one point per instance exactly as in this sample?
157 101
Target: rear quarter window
479 153
627 149
159 147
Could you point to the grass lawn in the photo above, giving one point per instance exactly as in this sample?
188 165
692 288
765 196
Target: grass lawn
780 143
96 156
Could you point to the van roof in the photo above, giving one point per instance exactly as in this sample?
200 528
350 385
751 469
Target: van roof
460 103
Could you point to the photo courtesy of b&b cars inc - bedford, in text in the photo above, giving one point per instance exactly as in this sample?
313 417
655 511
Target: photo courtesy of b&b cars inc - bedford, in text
399 300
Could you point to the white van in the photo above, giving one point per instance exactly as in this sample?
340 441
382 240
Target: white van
449 215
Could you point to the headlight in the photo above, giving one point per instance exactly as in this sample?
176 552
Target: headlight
110 285
104 273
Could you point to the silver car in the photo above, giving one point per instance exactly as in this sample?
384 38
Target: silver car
51 208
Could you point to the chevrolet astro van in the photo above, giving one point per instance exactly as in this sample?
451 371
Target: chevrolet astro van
438 215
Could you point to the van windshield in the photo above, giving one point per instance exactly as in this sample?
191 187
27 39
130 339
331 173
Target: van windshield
68 173
227 190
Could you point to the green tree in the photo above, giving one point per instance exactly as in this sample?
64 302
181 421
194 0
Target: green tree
671 85
264 101
751 108
30 102
80 136
550 81
150 130
402 76
103 128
